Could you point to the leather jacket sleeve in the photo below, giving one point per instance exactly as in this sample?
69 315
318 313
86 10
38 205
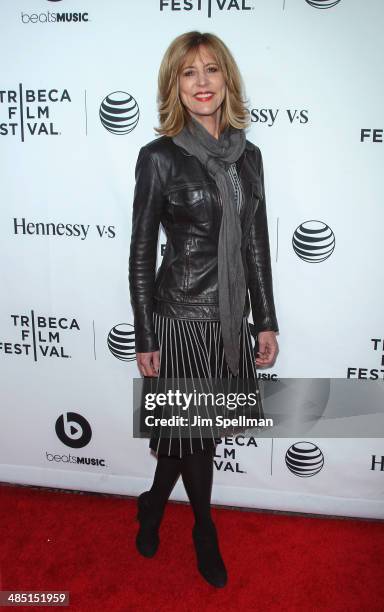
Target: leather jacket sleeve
146 214
259 267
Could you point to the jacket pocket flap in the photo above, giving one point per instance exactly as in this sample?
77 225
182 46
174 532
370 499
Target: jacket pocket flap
186 197
257 188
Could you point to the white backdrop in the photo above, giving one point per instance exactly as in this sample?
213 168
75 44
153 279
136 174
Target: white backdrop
312 71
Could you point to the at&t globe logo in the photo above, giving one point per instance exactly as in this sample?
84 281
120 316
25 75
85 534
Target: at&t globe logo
119 113
304 459
121 342
322 4
313 241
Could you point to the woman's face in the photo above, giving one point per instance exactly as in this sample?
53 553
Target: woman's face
202 86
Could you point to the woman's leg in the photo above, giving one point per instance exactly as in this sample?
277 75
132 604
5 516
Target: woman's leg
197 475
167 472
151 504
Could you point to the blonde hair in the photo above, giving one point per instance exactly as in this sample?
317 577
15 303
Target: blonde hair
172 113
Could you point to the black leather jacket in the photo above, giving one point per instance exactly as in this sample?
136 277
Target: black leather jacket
173 188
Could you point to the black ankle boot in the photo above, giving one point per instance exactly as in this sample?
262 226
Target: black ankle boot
149 517
209 561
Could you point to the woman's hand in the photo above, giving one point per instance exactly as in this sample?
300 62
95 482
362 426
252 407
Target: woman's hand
148 363
267 348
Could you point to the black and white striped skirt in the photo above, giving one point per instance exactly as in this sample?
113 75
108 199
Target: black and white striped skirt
193 350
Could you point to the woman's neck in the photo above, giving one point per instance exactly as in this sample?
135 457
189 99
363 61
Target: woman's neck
210 122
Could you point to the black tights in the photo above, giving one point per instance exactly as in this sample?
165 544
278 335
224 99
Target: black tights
197 473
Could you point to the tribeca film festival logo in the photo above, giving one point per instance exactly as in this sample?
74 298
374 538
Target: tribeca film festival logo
27 112
205 6
361 373
304 459
121 342
208 7
119 113
225 459
39 336
74 431
374 135
55 17
313 241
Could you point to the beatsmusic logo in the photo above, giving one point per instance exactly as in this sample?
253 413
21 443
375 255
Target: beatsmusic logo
50 17
75 459
73 430
27 112
40 336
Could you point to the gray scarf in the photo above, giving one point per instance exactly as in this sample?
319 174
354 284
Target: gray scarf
216 156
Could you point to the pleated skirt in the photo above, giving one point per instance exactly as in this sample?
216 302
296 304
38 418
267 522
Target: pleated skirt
193 349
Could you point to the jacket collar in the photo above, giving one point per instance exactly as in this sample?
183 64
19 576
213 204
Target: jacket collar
248 147
240 161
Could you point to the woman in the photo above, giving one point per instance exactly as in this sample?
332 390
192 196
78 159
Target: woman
203 181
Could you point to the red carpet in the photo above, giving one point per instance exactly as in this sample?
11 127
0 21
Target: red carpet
85 544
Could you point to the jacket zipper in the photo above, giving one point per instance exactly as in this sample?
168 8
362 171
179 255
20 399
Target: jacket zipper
187 252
